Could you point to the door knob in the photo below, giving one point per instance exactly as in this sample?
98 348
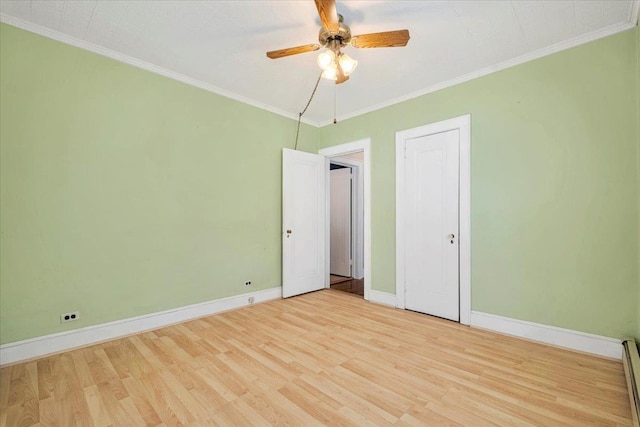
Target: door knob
451 237
288 233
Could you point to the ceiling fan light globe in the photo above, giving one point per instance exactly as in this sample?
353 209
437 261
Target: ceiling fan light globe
331 72
325 59
348 64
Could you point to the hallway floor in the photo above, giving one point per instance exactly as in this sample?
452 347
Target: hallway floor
348 284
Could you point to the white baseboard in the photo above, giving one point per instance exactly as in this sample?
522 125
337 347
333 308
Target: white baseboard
575 340
40 346
47 344
384 298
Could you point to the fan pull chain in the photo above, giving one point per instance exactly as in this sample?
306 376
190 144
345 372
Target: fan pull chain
295 147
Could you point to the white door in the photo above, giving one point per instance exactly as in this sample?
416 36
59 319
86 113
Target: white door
303 222
340 206
431 218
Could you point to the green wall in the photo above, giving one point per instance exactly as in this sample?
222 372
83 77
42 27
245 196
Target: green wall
554 212
124 192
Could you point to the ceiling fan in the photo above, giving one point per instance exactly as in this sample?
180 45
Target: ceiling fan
334 35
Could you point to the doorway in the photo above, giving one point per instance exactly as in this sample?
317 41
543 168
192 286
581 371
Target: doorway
433 251
346 244
306 219
356 157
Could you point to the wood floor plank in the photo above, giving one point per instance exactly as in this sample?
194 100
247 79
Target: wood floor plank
171 413
141 401
228 386
22 387
324 358
24 414
313 405
50 412
190 403
73 410
97 409
5 386
100 366
133 415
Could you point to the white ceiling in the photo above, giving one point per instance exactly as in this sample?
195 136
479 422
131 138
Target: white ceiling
221 45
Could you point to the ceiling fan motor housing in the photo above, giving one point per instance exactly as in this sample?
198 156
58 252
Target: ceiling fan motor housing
335 39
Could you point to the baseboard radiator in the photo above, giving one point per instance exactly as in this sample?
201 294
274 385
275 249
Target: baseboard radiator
631 361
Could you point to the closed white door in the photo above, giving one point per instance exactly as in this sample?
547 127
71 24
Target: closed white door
340 236
431 241
303 222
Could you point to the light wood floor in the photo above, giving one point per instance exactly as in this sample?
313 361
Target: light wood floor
325 358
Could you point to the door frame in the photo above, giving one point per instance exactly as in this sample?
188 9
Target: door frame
363 145
463 125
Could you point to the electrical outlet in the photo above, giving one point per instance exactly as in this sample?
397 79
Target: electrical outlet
247 283
69 317
251 300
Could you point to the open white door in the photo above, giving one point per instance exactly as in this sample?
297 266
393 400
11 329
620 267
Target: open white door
303 222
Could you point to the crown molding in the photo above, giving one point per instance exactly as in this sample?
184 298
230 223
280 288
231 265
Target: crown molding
147 66
635 12
549 50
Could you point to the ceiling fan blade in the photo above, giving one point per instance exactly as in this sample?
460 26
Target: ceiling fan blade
386 39
328 14
341 76
275 54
